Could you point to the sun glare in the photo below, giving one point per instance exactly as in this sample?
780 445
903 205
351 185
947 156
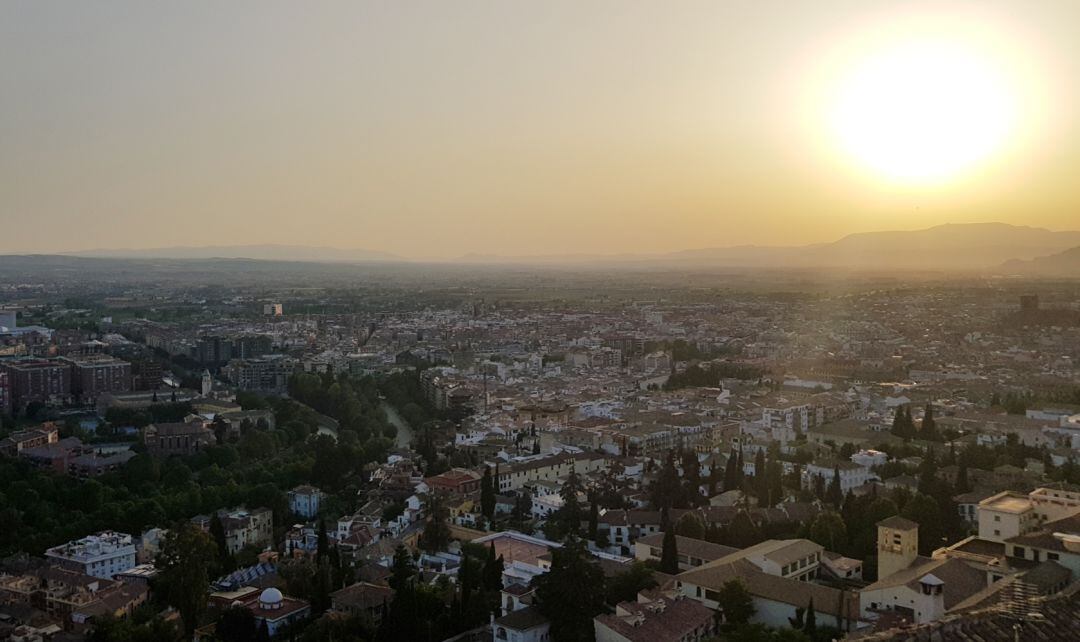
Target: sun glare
922 111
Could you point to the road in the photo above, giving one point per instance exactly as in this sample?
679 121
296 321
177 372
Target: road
404 431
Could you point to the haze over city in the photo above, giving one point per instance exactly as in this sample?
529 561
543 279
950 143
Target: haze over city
433 130
560 321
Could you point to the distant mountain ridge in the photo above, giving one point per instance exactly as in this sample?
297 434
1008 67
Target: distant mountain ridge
1065 263
973 246
265 252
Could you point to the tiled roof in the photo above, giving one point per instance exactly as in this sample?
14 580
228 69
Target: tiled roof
660 619
698 548
1058 620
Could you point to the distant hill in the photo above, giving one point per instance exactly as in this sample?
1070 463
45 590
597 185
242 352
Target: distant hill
975 246
261 252
1065 263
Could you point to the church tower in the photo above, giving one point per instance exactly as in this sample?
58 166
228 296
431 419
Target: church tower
897 545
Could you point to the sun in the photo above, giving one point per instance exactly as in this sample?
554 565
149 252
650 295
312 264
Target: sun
922 111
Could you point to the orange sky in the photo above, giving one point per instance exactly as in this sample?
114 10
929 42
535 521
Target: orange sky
435 129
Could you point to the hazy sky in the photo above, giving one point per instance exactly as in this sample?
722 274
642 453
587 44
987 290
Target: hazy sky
434 129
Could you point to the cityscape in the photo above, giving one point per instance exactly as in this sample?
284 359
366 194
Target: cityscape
475 346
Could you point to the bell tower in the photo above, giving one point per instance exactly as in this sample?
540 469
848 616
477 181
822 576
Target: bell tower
897 545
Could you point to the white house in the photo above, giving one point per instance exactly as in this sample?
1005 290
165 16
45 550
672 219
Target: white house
305 501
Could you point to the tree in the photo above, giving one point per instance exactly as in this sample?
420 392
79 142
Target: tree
690 525
928 473
493 571
625 586
567 520
924 511
236 624
774 482
742 531
962 485
760 485
221 429
322 545
929 426
667 489
184 565
402 570
594 519
487 494
810 625
735 602
217 532
571 594
669 556
436 533
714 478
731 477
522 509
829 530
835 494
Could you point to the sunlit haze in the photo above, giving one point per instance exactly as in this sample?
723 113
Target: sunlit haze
434 130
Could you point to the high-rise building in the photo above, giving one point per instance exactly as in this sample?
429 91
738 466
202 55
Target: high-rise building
5 393
38 381
98 374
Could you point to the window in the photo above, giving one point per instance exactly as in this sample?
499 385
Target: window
1053 556
1019 551
997 518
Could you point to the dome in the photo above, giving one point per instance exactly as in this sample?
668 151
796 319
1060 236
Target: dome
270 598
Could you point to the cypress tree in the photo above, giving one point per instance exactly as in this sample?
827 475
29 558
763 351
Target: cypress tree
760 485
929 426
713 478
731 481
835 495
487 494
962 485
810 620
669 556
594 518
322 544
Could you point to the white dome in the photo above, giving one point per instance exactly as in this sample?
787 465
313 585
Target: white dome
270 597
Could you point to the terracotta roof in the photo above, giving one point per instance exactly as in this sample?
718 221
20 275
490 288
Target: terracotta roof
826 599
363 595
658 619
522 619
698 548
1058 621
898 523
961 580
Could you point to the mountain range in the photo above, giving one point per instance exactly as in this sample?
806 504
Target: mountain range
975 246
259 252
995 247
1065 263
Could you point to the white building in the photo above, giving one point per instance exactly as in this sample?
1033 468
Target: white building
305 500
102 555
869 458
544 505
852 475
